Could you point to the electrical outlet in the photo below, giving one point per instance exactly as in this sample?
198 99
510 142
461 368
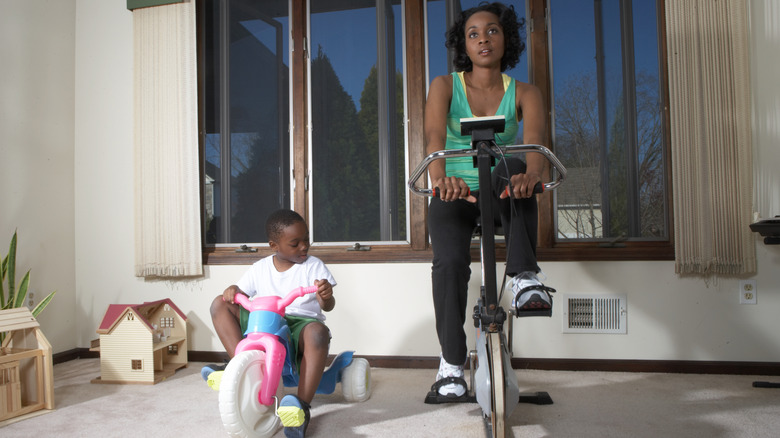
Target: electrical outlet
747 292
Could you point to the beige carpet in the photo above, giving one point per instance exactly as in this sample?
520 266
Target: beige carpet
586 404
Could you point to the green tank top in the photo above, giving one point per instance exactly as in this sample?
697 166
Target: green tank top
463 167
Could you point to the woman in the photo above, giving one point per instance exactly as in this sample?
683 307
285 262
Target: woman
486 40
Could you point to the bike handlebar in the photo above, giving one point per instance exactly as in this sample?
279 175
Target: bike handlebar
538 188
504 150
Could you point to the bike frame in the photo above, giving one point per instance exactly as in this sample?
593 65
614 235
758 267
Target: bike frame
493 386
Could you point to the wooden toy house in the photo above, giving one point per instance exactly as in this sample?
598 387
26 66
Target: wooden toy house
141 343
26 368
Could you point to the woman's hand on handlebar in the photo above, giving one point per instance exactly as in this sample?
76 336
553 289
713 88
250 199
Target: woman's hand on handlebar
452 188
524 185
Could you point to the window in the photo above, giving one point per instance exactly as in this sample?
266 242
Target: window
136 365
246 143
316 125
166 322
317 106
608 122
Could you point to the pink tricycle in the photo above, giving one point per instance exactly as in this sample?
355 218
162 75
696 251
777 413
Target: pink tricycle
250 390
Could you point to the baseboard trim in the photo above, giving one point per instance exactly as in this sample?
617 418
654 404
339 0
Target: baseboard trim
428 362
72 354
651 366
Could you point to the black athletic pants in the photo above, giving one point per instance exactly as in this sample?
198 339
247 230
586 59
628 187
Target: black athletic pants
451 225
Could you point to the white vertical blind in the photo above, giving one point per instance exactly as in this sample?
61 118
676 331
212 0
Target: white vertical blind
167 199
712 168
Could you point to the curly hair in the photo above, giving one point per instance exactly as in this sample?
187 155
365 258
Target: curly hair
514 45
278 221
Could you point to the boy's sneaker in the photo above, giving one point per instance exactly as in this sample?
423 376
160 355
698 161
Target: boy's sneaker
215 380
294 414
530 294
208 369
448 370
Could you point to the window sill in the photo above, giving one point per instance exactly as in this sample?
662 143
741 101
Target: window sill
563 252
328 254
588 251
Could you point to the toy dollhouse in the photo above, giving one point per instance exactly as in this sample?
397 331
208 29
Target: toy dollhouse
141 343
26 369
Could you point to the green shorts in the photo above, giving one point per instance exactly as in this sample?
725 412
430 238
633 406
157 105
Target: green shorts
296 325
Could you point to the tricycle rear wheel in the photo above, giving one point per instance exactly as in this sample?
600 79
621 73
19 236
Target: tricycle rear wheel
356 380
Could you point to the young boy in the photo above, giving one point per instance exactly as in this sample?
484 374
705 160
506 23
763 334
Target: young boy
288 268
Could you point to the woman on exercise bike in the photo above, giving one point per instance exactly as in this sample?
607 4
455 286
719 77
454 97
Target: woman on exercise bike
487 40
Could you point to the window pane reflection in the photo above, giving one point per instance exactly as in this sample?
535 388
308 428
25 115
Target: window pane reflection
608 120
247 142
357 110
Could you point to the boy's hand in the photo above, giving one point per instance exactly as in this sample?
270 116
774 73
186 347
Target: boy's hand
325 295
230 294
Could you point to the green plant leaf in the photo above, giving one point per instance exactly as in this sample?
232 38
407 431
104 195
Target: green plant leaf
21 293
42 305
2 281
12 267
16 296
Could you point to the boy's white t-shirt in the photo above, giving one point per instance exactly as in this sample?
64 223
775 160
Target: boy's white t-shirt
263 279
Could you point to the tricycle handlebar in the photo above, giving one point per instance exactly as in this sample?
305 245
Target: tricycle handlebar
273 303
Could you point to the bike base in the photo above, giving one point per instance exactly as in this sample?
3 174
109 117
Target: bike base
535 398
434 398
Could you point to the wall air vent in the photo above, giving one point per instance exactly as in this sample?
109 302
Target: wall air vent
594 314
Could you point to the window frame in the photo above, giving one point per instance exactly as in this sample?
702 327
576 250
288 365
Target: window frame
417 247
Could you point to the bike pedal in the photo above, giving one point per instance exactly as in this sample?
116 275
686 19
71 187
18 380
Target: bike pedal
535 312
291 416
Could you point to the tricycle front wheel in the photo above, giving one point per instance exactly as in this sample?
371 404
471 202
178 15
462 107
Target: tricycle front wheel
242 413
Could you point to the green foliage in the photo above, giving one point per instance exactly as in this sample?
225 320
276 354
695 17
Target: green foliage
346 156
346 202
16 295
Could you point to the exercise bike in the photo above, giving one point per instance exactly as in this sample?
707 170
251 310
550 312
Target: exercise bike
493 382
249 389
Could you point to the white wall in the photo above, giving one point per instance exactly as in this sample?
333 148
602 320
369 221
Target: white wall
37 60
382 309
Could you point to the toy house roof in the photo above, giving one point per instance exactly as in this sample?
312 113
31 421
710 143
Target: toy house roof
116 312
17 318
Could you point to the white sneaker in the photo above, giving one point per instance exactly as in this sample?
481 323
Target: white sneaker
448 370
529 299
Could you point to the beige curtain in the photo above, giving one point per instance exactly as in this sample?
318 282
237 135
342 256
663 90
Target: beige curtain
712 169
167 199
